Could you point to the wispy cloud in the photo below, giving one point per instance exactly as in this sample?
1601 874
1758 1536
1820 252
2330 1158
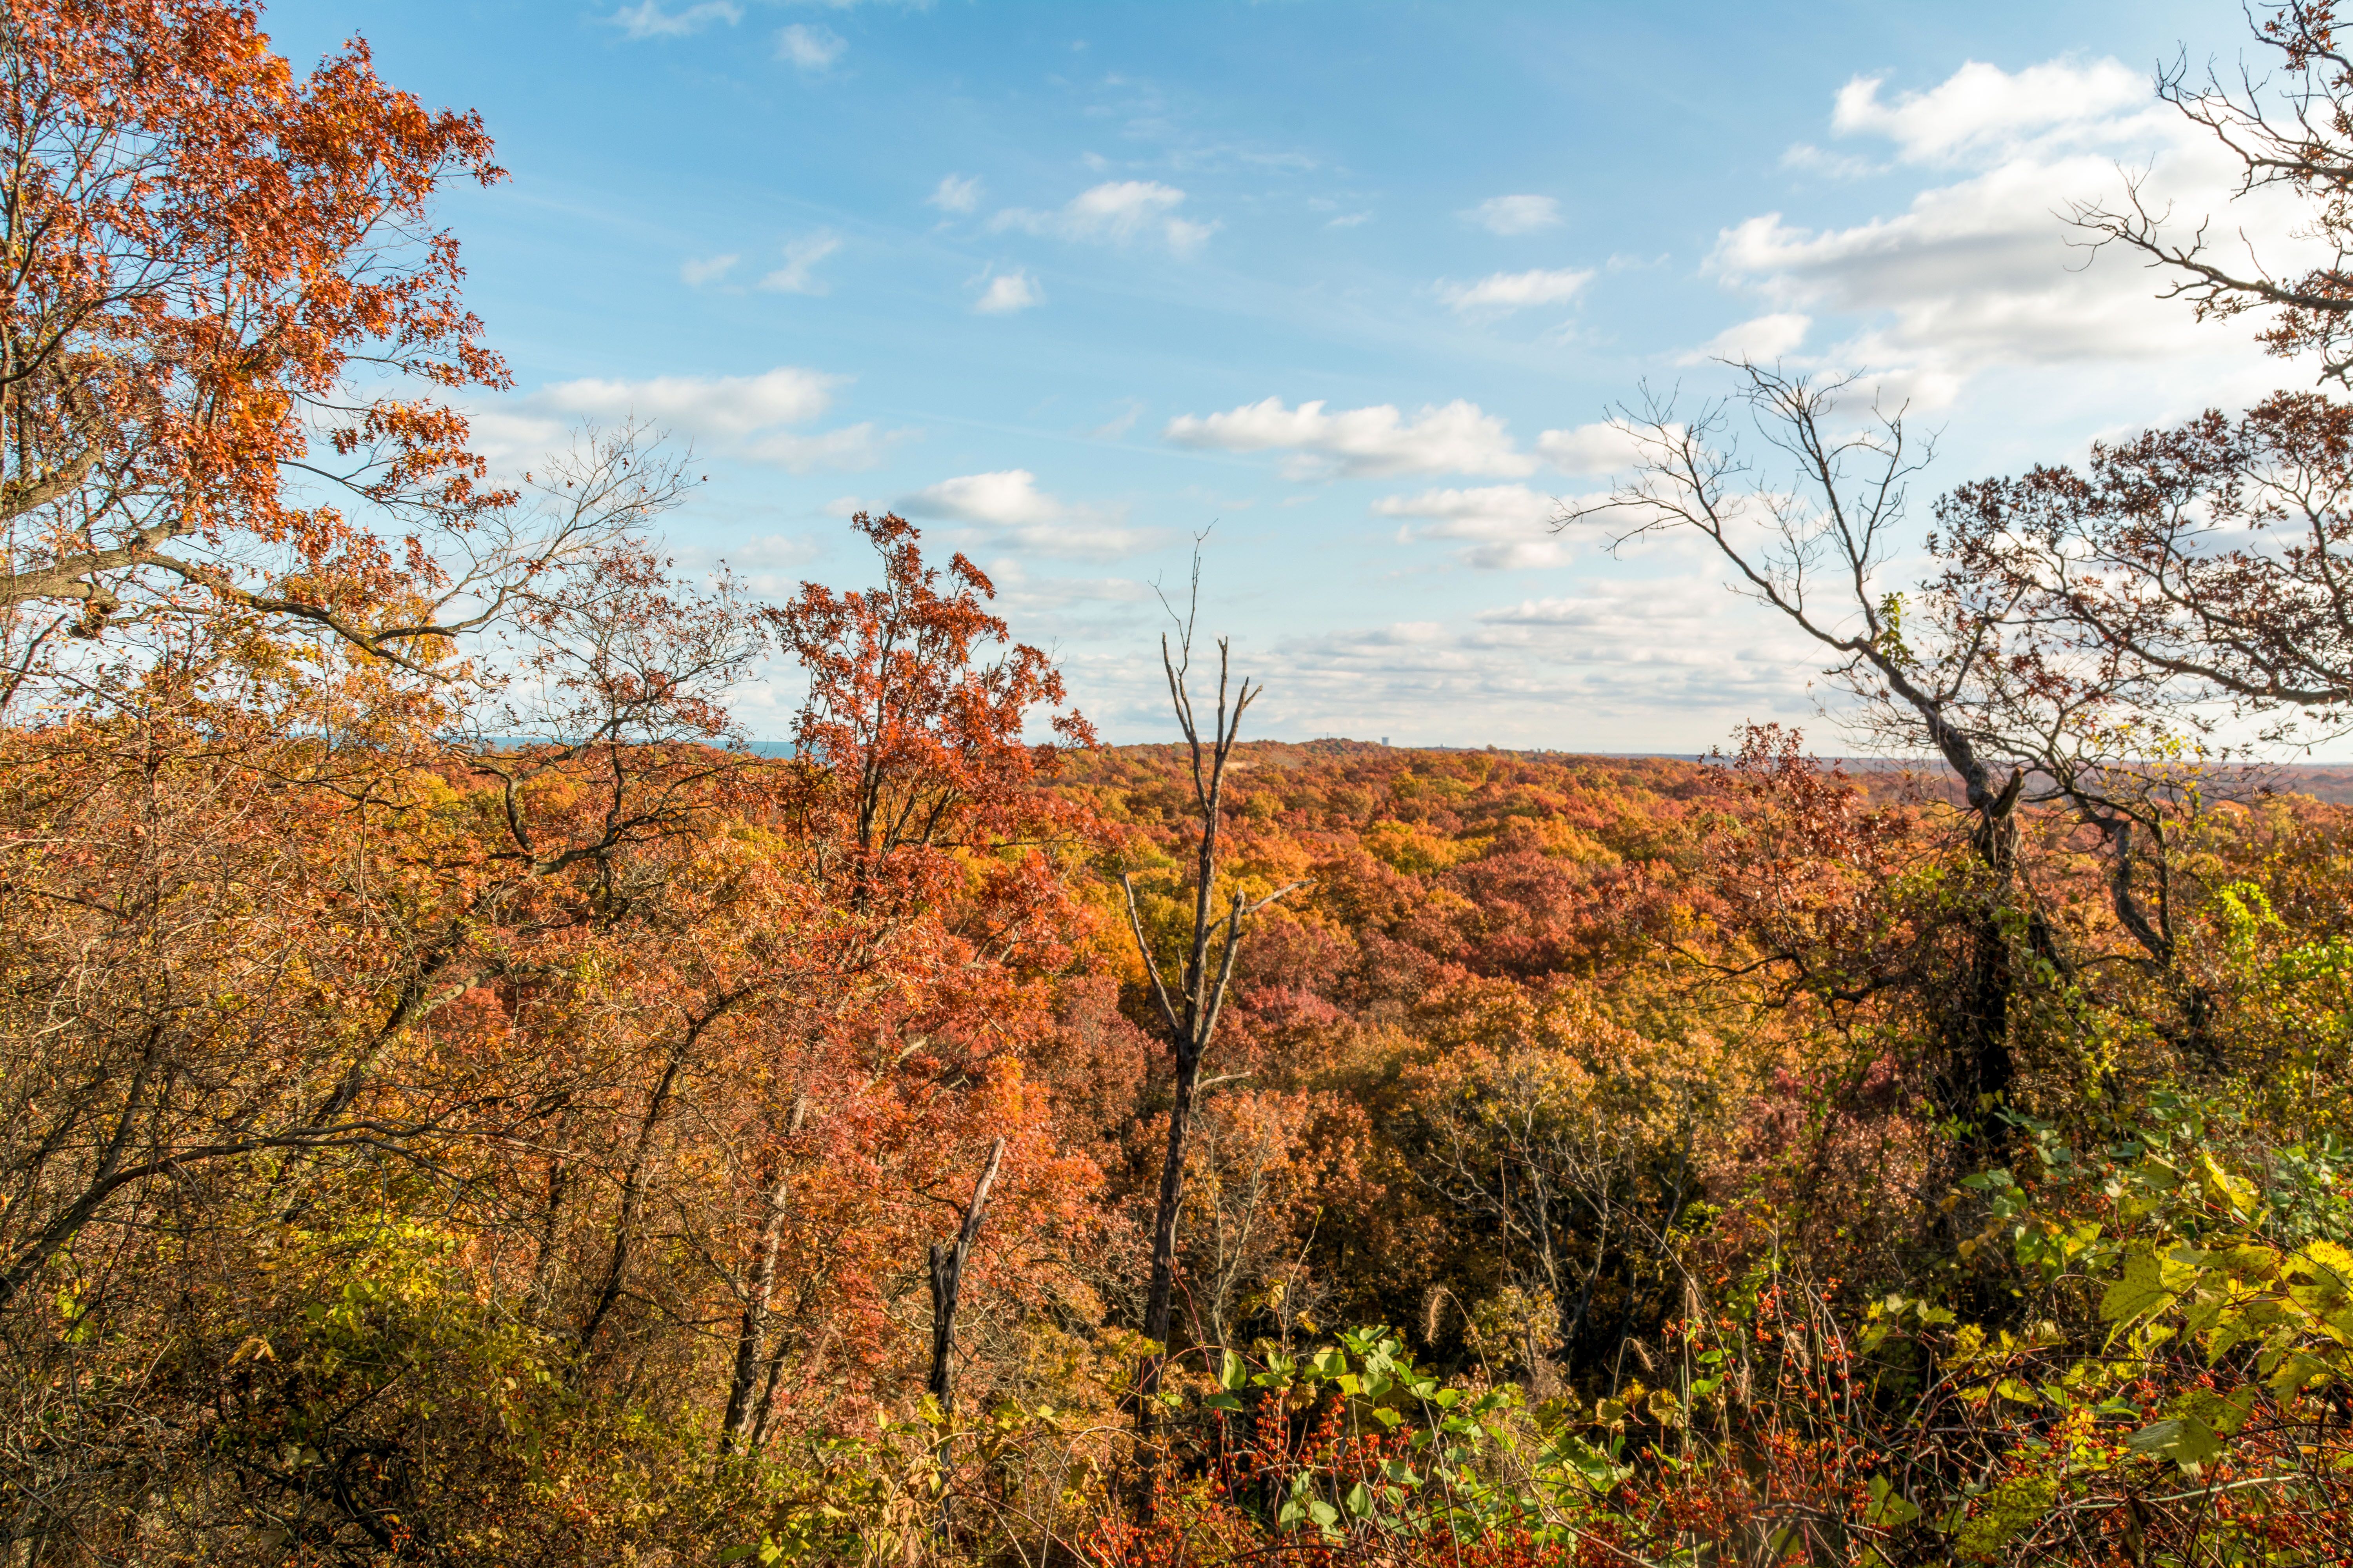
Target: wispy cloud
1762 338
1117 212
740 417
1515 215
709 270
1503 291
810 49
1356 443
1113 429
955 194
700 404
648 20
1504 526
1007 292
860 445
801 257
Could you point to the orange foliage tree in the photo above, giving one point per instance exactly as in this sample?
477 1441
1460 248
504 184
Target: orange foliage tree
212 266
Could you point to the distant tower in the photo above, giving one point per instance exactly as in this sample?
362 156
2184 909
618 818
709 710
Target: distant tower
1385 740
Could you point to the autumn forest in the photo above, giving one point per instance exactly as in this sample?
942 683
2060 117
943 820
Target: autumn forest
464 1102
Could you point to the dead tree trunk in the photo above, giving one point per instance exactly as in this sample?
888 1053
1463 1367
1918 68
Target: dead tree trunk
1189 1014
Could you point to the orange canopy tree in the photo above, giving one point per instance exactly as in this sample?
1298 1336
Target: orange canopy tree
226 318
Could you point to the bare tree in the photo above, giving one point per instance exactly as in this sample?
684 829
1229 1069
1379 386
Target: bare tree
1189 1009
1813 551
2297 137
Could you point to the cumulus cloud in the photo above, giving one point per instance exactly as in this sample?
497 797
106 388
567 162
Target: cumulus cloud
1515 215
1007 292
1977 271
1457 438
1515 290
1983 110
1117 212
810 49
711 269
1506 526
648 20
1020 515
955 194
796 275
1007 499
738 417
1604 449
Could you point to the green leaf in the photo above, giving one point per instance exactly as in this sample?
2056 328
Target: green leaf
2184 1439
1359 1501
1233 1374
2140 1292
1890 1508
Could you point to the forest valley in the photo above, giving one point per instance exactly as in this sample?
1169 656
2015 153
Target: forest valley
461 1104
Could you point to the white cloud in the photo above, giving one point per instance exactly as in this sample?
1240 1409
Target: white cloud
648 20
1007 500
770 562
1809 159
1117 212
1025 518
796 275
1009 292
737 416
860 445
1978 272
1982 109
709 270
1604 449
1763 339
1355 443
1349 220
1610 664
1515 290
1515 215
699 406
955 194
1506 526
810 49
1113 429
1020 593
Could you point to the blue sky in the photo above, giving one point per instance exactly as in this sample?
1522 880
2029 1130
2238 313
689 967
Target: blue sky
1358 284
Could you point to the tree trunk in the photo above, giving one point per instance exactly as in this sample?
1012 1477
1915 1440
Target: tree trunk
752 1330
1159 1300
